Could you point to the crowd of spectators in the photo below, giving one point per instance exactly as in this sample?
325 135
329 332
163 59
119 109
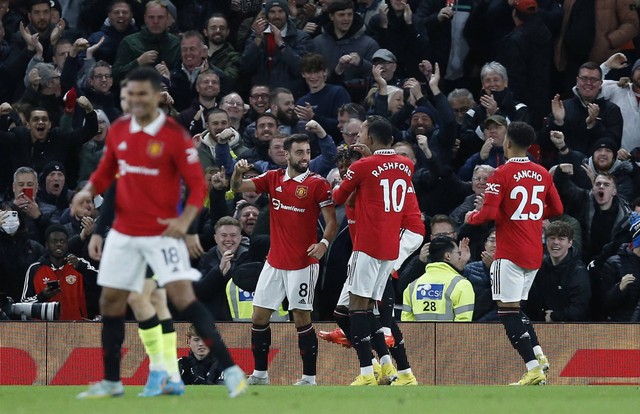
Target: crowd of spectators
242 75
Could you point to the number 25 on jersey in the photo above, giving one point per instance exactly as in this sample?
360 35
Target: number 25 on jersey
532 203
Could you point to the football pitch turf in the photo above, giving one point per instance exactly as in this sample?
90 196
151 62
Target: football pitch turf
333 400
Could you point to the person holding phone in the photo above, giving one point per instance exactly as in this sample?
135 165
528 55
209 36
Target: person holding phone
25 191
62 277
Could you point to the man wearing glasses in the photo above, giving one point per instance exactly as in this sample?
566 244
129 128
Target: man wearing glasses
587 116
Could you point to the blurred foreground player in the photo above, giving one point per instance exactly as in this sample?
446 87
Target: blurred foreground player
152 154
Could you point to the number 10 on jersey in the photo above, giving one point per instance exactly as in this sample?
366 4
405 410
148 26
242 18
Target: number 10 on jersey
393 194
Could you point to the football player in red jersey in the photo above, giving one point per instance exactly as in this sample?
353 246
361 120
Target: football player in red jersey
519 195
297 199
152 155
381 183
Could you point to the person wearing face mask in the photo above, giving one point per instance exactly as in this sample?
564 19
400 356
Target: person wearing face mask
17 251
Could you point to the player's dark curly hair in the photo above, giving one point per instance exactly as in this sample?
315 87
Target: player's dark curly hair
521 134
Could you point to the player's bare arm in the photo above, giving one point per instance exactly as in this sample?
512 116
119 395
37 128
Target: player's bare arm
178 227
317 250
238 184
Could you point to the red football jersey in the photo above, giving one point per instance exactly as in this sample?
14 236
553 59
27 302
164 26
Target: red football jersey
412 216
382 181
518 196
73 302
293 216
151 163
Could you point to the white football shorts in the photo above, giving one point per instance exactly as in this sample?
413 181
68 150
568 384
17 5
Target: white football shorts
510 282
298 286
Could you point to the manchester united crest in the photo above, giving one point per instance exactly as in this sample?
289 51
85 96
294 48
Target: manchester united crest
302 191
71 279
154 149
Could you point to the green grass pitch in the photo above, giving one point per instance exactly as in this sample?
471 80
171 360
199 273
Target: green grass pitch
334 400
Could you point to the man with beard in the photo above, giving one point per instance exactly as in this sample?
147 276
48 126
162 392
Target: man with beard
118 25
37 143
274 49
76 278
266 130
298 197
223 58
21 51
497 99
208 88
282 105
212 149
626 98
587 116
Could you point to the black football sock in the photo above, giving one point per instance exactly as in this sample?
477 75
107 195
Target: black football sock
517 332
529 326
385 305
260 343
398 351
377 336
205 326
308 344
341 314
361 336
167 326
112 339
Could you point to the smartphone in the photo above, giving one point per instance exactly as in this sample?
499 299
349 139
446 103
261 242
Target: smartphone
28 192
13 213
53 284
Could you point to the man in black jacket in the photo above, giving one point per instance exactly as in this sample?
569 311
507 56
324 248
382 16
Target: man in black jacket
200 367
561 289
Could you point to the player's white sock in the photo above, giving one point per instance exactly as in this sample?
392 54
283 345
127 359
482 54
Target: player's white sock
366 370
537 350
385 359
260 374
374 361
405 371
532 364
310 378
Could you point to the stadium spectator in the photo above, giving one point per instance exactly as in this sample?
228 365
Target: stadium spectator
478 183
193 118
484 307
491 153
25 192
98 87
324 100
200 367
217 267
54 193
38 143
347 50
266 130
274 49
350 131
258 102
17 250
215 142
282 104
151 45
118 25
496 99
587 116
93 150
223 58
441 294
234 106
182 78
561 290
621 278
623 96
76 288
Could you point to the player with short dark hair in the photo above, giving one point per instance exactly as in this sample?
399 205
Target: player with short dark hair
297 198
519 195
153 155
381 183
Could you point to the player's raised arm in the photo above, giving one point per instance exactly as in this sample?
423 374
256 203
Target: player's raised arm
238 184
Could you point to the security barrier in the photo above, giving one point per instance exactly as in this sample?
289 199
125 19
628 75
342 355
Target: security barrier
62 353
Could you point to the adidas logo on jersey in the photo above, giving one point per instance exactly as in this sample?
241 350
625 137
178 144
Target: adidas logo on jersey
302 302
279 188
122 146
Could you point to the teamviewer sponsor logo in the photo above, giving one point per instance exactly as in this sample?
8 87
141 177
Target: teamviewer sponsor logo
134 169
277 205
430 291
